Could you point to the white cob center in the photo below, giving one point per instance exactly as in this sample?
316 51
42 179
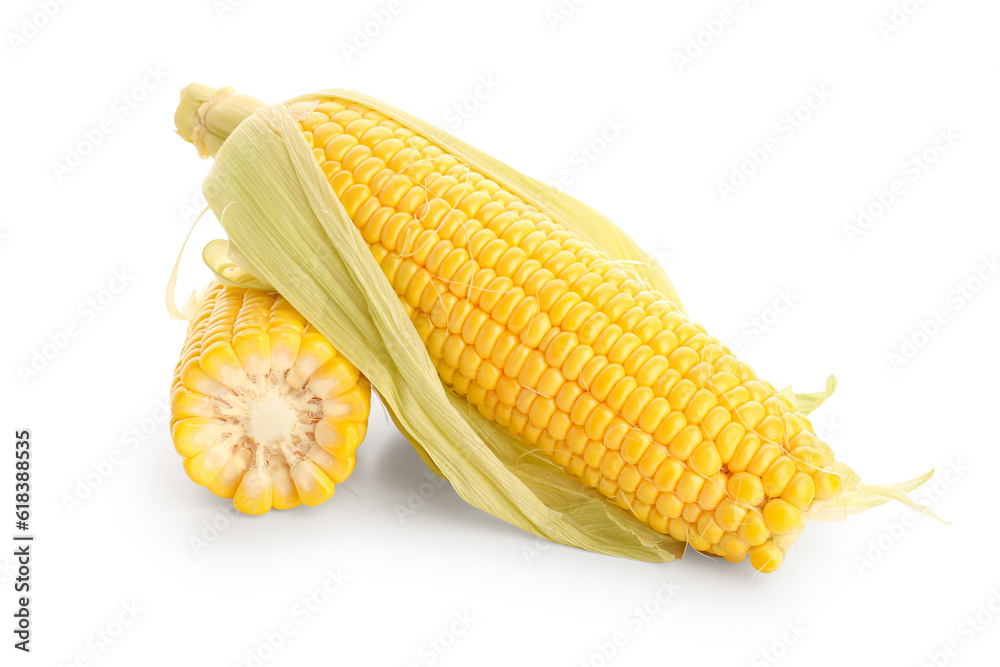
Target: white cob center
271 419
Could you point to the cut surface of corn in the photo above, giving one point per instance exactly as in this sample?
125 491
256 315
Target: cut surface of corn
547 335
264 409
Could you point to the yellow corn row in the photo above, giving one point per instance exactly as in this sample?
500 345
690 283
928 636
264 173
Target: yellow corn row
551 338
263 408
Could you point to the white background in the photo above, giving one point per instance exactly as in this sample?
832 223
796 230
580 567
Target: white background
882 588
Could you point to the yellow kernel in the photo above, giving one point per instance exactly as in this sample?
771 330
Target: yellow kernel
722 381
669 505
753 531
634 445
654 455
683 358
717 418
800 490
702 401
598 422
658 522
828 484
611 464
690 486
781 516
629 479
678 530
808 459
690 515
762 460
647 492
681 394
705 459
712 493
778 476
668 474
729 514
734 398
758 392
593 454
734 550
653 414
766 557
685 442
804 438
729 439
709 530
744 453
746 489
670 427
771 428
750 414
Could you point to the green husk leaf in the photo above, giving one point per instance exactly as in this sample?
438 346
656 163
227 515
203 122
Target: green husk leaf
291 232
220 257
806 403
859 496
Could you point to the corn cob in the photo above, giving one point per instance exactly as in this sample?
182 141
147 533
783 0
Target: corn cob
263 408
550 337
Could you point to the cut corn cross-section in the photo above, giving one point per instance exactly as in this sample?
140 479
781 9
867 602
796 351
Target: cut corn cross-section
263 408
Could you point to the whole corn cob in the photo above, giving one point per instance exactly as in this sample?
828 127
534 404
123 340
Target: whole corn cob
263 408
553 339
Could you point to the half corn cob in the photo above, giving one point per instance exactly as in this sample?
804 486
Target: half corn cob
547 335
263 408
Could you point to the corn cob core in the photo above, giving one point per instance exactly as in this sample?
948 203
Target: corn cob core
263 408
551 338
